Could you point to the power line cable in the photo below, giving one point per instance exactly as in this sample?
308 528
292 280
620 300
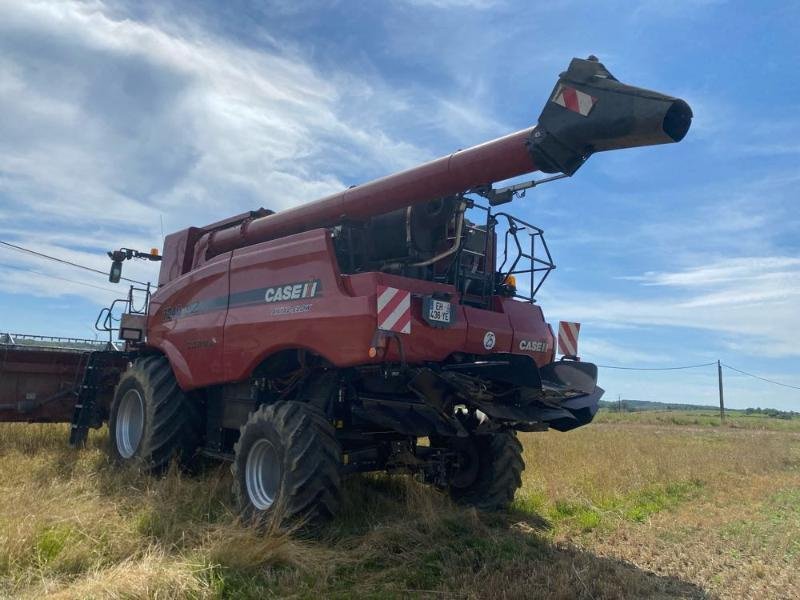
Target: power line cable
656 368
786 385
772 381
47 256
61 260
97 287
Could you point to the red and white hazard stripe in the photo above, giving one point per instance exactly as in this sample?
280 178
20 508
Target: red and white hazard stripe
394 309
568 338
574 100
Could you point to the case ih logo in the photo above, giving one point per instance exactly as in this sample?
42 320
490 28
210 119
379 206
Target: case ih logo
292 291
182 310
533 346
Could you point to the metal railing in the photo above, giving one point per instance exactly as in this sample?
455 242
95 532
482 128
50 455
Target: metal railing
521 261
107 322
54 342
480 272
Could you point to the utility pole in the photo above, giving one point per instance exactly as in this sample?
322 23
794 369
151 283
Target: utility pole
619 403
721 398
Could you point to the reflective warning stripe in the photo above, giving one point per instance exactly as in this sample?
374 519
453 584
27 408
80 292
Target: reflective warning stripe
568 338
394 309
574 100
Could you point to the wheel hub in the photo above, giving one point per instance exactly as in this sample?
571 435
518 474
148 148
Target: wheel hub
130 423
263 474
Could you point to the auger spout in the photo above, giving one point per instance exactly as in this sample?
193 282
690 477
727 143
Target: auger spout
589 111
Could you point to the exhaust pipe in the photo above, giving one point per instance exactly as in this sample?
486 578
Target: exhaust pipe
591 111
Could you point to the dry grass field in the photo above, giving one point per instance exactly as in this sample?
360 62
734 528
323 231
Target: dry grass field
628 507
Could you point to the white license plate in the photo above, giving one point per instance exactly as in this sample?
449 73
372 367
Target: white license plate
440 311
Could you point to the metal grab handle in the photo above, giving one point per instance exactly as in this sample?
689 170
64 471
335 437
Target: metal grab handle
107 311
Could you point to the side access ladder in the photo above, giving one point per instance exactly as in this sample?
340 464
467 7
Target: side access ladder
87 412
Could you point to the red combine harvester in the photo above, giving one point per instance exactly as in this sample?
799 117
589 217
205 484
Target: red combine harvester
335 337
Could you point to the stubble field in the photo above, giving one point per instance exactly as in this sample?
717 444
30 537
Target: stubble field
632 506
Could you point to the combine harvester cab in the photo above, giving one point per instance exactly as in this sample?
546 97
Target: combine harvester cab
335 336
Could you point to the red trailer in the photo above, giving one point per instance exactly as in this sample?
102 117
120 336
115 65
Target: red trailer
44 378
334 337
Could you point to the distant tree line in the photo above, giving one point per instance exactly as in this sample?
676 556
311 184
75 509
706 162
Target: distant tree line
646 405
772 412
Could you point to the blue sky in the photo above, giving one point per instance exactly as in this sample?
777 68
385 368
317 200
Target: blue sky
116 116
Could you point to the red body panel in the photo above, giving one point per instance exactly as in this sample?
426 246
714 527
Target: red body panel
331 323
186 321
215 323
530 329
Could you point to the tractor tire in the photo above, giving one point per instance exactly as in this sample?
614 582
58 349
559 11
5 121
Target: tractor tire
286 465
493 472
151 420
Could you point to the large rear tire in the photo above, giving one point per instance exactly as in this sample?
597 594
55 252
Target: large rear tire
287 464
491 472
151 420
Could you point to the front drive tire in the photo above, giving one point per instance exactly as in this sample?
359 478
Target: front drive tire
287 464
151 420
492 473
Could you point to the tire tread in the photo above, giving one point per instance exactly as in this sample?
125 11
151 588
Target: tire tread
312 459
173 422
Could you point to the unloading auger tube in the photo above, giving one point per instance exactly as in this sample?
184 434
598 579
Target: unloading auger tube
588 111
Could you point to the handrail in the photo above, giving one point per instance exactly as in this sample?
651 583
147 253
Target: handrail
106 314
52 342
532 258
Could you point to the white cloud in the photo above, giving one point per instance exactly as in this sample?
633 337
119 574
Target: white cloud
110 124
749 302
732 271
187 117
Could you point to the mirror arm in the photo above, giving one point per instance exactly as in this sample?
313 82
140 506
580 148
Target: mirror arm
117 256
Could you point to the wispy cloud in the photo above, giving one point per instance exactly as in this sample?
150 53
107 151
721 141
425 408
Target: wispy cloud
750 302
729 272
110 124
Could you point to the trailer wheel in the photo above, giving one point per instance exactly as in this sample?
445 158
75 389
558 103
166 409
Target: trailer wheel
491 472
287 463
151 420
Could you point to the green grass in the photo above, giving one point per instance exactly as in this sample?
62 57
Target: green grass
779 514
698 418
653 500
604 512
51 541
